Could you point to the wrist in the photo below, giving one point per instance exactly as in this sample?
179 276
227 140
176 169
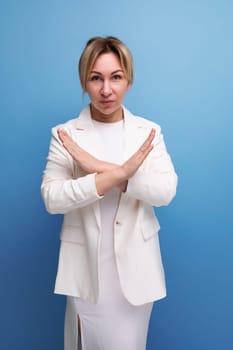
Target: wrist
105 166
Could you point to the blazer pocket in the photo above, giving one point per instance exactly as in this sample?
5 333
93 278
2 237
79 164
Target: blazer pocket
72 233
150 228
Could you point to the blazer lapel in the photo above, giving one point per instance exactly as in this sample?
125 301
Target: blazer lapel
85 135
134 134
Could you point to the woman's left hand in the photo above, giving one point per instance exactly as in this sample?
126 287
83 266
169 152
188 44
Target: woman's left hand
86 161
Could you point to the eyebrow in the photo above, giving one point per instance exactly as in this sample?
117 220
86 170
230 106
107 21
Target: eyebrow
116 71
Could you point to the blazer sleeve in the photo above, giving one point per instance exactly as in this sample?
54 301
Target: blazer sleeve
155 181
60 190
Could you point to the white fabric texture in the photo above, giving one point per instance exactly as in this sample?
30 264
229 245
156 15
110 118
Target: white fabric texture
113 323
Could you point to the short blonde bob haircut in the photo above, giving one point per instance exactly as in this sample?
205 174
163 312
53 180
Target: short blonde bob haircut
99 45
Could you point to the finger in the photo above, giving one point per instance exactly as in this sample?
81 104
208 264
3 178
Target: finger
149 139
144 153
147 142
65 138
151 136
62 134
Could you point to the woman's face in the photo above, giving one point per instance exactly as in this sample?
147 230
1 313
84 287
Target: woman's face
106 87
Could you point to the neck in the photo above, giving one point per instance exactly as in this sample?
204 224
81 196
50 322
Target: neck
107 118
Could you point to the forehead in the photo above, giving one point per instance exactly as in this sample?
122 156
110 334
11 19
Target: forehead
107 62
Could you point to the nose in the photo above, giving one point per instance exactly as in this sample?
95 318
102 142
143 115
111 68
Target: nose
106 88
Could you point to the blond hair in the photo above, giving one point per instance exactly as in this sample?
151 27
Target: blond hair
99 45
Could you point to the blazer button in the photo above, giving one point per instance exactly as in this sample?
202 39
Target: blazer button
118 222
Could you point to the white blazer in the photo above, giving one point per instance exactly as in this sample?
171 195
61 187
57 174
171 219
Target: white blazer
67 190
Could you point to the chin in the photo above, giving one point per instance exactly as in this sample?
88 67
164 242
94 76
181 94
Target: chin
109 110
106 112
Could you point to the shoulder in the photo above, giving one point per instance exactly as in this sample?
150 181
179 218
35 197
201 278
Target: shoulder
80 121
146 122
71 123
141 123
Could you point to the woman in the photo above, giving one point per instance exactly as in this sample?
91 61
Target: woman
105 171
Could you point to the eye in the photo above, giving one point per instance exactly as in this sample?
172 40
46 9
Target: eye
117 77
95 78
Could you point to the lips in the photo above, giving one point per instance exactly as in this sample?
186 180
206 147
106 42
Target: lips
106 102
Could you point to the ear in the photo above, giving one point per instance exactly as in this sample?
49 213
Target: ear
129 86
84 88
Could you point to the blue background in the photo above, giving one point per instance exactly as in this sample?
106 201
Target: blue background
184 73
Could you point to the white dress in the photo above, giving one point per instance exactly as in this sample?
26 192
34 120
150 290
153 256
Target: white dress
113 323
